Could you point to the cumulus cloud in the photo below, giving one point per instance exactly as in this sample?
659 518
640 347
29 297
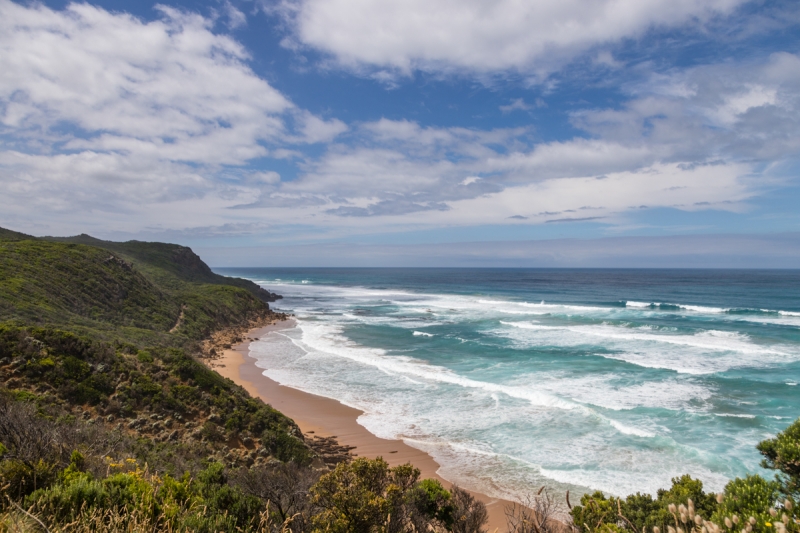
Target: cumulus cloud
730 111
169 89
103 115
318 130
571 199
483 36
695 139
105 112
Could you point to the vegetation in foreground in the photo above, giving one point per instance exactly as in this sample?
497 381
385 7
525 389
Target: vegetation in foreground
68 475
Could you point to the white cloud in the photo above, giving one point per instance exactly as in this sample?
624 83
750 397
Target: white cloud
696 139
169 89
478 35
688 188
449 176
317 130
235 17
736 105
606 58
104 112
728 111
518 104
104 116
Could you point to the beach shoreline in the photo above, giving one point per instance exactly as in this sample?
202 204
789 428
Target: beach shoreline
324 417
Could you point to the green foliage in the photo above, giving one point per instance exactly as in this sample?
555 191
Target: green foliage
286 447
595 512
137 291
752 496
362 496
20 477
169 383
53 282
641 512
433 501
685 488
206 503
782 453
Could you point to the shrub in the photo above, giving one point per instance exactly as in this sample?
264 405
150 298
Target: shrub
640 512
286 447
361 496
752 496
782 453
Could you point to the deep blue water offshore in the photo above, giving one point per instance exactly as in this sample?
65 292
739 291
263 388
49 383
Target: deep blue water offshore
616 380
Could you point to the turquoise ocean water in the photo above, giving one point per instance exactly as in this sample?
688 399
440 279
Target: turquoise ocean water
616 380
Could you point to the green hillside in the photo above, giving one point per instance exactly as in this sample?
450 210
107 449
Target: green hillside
106 334
170 264
100 333
131 290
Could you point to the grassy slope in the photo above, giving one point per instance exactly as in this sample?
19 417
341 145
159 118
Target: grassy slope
168 262
90 329
135 290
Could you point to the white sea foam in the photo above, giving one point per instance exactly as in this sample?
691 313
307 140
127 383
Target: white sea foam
627 430
443 302
393 412
428 417
685 307
422 334
608 391
704 352
528 325
394 321
326 338
779 318
703 309
708 340
639 305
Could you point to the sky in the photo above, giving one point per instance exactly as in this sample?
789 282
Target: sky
409 132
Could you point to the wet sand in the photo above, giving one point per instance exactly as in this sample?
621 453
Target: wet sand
325 417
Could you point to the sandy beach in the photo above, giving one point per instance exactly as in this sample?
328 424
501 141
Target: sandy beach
325 417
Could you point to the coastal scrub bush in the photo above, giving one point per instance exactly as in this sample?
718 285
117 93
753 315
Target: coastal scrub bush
641 512
366 496
432 502
286 447
747 503
469 514
782 453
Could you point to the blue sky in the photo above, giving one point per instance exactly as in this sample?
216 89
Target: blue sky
252 129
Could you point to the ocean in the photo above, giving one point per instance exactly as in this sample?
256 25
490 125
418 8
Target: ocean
581 380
